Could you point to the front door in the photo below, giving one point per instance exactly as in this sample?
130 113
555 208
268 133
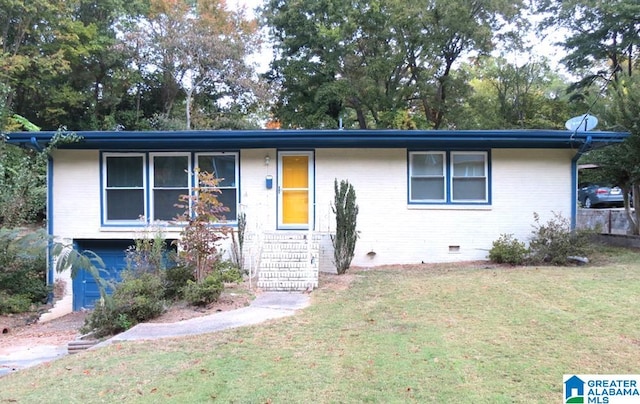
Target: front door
295 189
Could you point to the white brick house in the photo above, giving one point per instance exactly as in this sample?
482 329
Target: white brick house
424 196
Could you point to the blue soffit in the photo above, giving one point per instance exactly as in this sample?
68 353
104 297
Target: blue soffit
309 139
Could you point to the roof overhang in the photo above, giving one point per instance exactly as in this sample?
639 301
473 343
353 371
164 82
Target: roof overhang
308 139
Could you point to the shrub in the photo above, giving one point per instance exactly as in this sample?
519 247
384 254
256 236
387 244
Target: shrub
228 270
23 268
508 250
150 253
138 297
176 279
346 211
12 304
205 292
102 321
553 242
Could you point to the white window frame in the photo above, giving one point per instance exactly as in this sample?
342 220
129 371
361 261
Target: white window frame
452 177
443 176
236 173
105 188
152 186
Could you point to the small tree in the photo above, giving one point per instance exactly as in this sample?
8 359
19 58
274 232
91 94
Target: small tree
346 211
203 213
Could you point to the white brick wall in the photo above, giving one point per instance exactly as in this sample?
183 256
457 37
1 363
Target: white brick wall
523 181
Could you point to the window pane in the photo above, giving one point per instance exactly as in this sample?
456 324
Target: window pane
164 201
124 171
469 189
222 166
427 164
125 204
228 199
170 171
427 189
468 165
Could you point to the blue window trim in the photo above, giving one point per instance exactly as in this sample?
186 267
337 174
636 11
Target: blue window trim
448 178
147 185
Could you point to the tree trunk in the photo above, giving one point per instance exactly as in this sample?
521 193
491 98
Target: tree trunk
188 108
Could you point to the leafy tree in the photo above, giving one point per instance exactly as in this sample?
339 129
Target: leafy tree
508 95
61 62
602 35
377 64
197 49
202 229
620 163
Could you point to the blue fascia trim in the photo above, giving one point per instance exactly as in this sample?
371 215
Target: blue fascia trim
299 139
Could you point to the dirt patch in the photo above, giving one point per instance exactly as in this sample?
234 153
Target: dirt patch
21 332
25 331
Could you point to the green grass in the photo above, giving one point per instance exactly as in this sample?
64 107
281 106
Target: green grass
441 333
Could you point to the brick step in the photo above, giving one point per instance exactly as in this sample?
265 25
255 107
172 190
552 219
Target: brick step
289 237
288 246
285 257
277 266
287 286
274 276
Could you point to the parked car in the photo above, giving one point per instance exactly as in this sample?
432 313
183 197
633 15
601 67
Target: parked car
597 195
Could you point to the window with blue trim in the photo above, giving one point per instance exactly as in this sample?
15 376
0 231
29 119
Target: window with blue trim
448 177
141 185
223 166
124 187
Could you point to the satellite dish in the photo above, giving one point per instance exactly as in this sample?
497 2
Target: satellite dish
581 123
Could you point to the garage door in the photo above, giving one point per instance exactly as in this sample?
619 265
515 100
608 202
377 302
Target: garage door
112 252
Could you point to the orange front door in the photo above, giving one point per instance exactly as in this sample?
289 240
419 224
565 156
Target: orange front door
295 190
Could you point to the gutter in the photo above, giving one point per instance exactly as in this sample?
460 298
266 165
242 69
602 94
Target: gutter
585 147
35 144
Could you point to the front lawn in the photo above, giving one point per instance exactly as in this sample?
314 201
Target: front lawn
472 333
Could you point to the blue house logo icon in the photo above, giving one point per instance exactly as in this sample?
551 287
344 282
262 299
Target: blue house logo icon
574 390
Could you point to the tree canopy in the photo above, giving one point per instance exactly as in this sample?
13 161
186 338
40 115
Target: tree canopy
112 64
378 64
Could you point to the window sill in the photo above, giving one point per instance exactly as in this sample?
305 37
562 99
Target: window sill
449 207
123 227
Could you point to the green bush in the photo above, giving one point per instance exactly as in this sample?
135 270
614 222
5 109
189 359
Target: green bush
229 271
205 292
12 304
553 242
138 297
103 320
508 250
176 279
22 268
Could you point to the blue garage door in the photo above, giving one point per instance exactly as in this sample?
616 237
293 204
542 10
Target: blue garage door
112 252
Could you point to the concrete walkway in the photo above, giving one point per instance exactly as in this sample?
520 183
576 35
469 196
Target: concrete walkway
266 306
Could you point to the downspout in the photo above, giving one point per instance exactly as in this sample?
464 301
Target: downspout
49 213
35 144
586 146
